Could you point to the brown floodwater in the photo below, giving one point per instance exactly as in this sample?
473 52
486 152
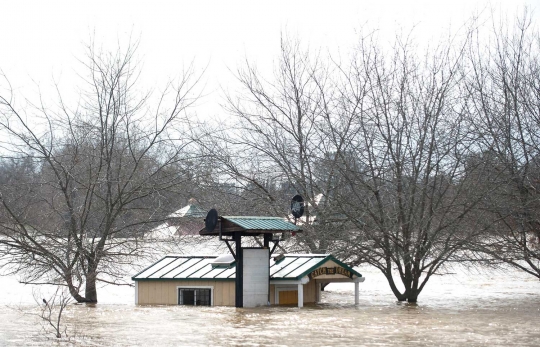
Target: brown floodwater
481 308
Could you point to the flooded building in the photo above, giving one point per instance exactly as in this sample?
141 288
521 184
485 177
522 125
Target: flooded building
290 279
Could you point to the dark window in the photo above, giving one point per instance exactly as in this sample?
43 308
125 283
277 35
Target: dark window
194 296
188 297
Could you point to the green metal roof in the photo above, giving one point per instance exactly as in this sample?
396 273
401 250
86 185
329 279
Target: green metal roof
182 267
262 223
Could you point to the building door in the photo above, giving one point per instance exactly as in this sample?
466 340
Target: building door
288 297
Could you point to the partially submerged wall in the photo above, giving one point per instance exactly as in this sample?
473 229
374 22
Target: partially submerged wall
166 292
310 292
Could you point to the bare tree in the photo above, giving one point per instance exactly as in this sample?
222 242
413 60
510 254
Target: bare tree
51 310
102 172
378 148
276 147
406 194
504 84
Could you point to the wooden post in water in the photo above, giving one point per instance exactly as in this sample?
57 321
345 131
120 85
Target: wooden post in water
356 293
300 295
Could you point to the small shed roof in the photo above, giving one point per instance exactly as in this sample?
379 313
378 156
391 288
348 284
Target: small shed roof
251 225
183 267
262 223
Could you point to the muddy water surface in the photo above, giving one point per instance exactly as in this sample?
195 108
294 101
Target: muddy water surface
462 309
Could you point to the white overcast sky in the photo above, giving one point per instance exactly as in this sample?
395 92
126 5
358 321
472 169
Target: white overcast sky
41 40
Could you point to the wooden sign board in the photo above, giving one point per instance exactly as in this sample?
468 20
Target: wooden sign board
337 270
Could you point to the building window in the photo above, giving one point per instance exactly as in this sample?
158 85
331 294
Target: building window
194 296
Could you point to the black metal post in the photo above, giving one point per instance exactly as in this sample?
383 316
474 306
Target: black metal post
275 245
239 281
267 238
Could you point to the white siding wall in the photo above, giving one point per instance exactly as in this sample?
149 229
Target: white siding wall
256 275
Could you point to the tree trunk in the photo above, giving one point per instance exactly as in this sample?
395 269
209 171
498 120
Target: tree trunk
400 296
412 296
90 295
411 289
90 292
74 291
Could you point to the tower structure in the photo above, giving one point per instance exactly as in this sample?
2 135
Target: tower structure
252 282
